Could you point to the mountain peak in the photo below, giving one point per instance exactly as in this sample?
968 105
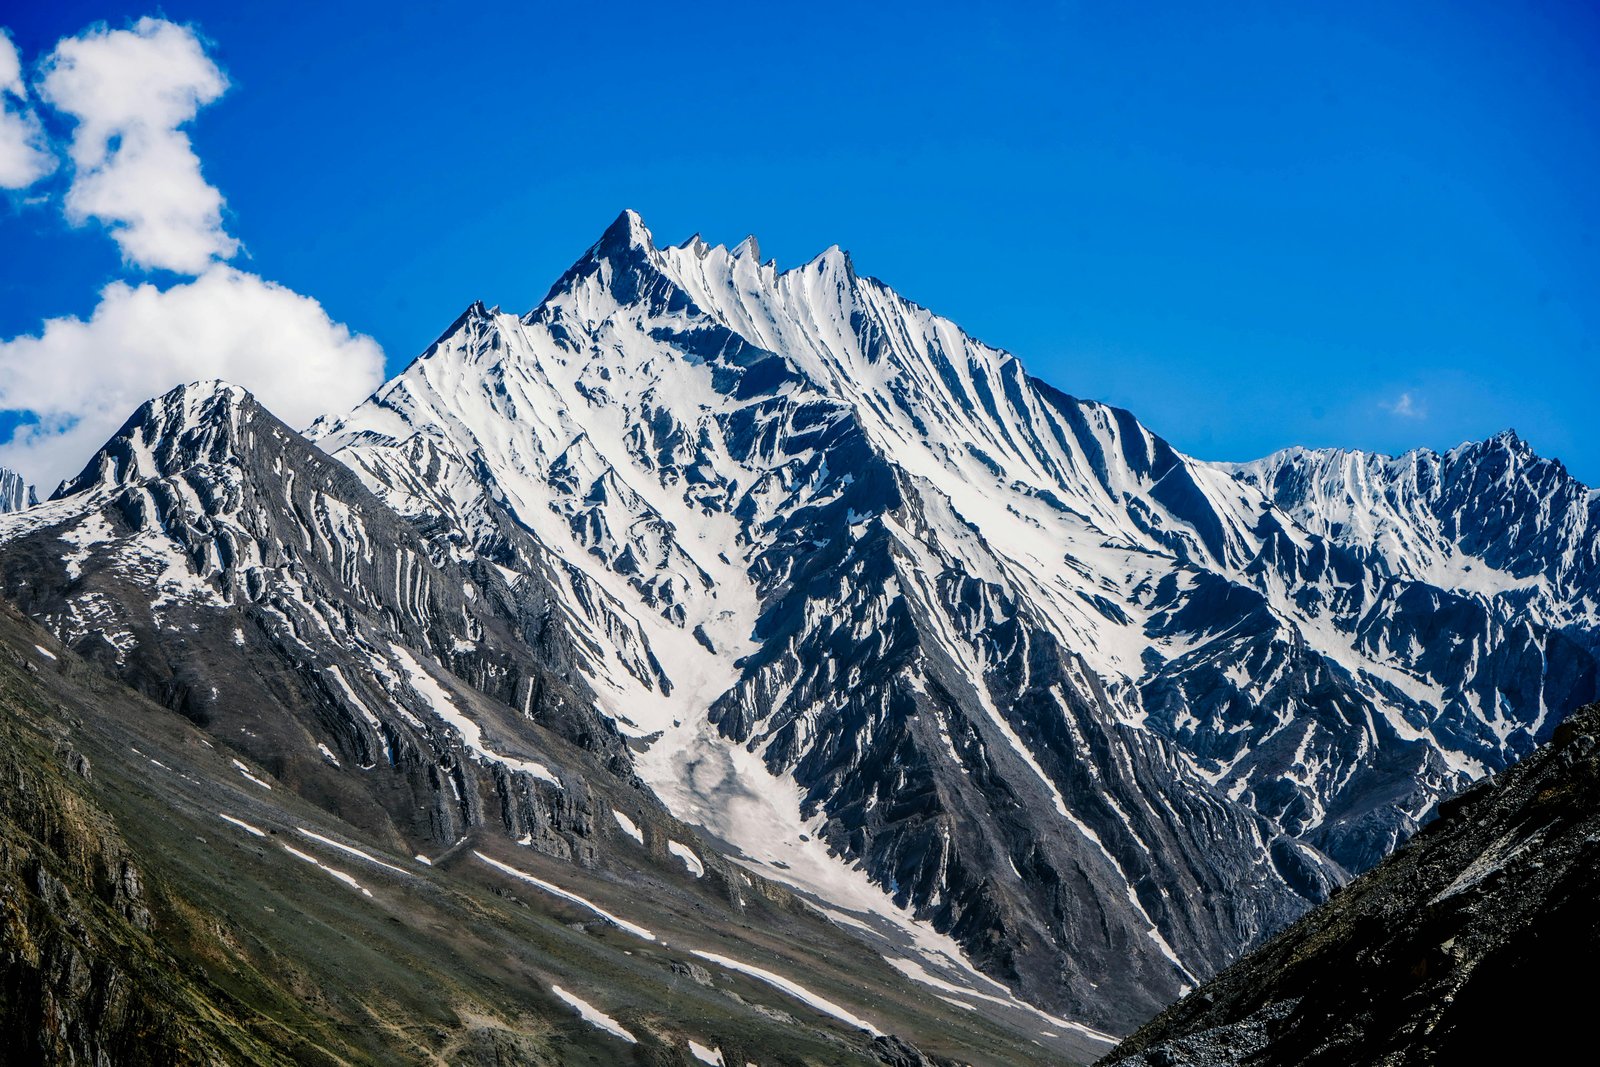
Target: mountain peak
476 312
1507 443
188 423
15 492
697 245
626 245
628 231
749 248
1511 441
192 404
833 258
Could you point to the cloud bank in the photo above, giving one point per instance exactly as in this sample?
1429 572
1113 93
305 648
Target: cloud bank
82 378
24 158
133 168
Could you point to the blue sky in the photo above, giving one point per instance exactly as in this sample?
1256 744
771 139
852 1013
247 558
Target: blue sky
1370 225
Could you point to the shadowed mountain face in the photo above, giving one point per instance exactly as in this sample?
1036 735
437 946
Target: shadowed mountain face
1461 946
890 622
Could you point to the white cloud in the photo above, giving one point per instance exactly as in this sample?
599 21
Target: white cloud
83 378
130 91
134 169
1405 406
24 159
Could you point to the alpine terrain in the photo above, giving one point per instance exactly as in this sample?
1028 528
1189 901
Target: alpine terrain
779 591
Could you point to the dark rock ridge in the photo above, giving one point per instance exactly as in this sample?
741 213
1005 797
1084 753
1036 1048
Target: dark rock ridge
1467 946
216 562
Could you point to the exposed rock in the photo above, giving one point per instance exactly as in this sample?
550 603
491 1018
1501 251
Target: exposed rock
693 971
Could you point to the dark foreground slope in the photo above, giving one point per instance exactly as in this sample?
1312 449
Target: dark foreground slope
1474 941
85 975
157 906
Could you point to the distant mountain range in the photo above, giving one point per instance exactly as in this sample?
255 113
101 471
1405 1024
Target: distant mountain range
801 573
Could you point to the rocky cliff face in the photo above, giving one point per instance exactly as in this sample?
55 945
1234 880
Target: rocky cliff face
1464 946
212 559
86 969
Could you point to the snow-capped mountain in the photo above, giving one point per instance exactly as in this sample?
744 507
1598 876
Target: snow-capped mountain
887 618
212 558
1489 517
1044 679
772 496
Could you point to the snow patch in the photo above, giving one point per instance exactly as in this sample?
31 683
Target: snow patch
557 891
794 989
349 850
687 855
241 824
704 1054
917 973
343 877
594 1016
628 826
246 772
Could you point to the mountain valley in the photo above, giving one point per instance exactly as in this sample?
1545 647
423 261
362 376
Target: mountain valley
772 616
